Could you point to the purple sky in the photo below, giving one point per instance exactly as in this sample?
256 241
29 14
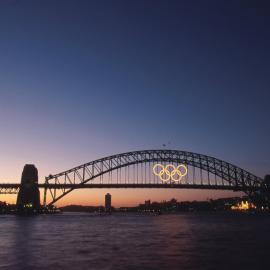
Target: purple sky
80 80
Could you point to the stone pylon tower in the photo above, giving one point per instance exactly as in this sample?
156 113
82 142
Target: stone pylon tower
29 193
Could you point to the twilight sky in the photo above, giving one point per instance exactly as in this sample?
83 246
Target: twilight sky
80 80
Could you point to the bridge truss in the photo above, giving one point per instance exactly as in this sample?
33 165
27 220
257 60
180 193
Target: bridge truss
135 170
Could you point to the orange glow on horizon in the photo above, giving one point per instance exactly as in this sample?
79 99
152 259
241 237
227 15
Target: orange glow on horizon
129 197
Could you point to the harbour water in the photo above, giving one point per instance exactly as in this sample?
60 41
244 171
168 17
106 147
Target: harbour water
173 241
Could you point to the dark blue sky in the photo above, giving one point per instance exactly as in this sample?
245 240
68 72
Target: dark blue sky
84 79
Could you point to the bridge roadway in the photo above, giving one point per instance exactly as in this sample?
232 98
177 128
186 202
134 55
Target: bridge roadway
16 186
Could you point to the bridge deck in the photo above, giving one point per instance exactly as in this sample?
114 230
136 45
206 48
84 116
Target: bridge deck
117 186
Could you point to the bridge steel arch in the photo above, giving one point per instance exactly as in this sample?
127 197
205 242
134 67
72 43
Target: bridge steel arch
235 178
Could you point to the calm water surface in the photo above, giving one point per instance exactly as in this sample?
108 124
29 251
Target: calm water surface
183 241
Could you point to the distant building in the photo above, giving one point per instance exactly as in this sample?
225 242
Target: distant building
147 203
108 202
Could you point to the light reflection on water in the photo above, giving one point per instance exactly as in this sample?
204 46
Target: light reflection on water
184 241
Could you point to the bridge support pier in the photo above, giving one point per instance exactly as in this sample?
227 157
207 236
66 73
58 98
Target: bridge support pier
45 197
28 197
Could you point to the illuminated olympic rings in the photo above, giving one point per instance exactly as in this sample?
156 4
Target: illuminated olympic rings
165 173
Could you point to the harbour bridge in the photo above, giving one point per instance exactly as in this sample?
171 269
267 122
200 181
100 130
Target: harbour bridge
147 169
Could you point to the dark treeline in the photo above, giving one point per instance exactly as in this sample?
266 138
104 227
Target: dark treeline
165 206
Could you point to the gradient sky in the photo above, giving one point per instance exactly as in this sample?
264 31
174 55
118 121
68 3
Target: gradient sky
80 80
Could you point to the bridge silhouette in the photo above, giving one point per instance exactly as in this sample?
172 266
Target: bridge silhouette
135 170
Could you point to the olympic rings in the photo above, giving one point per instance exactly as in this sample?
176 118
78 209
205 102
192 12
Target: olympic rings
165 173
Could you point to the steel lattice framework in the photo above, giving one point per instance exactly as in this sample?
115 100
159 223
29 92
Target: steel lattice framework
83 176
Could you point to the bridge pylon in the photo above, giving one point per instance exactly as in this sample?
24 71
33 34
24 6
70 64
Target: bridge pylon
262 197
29 196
